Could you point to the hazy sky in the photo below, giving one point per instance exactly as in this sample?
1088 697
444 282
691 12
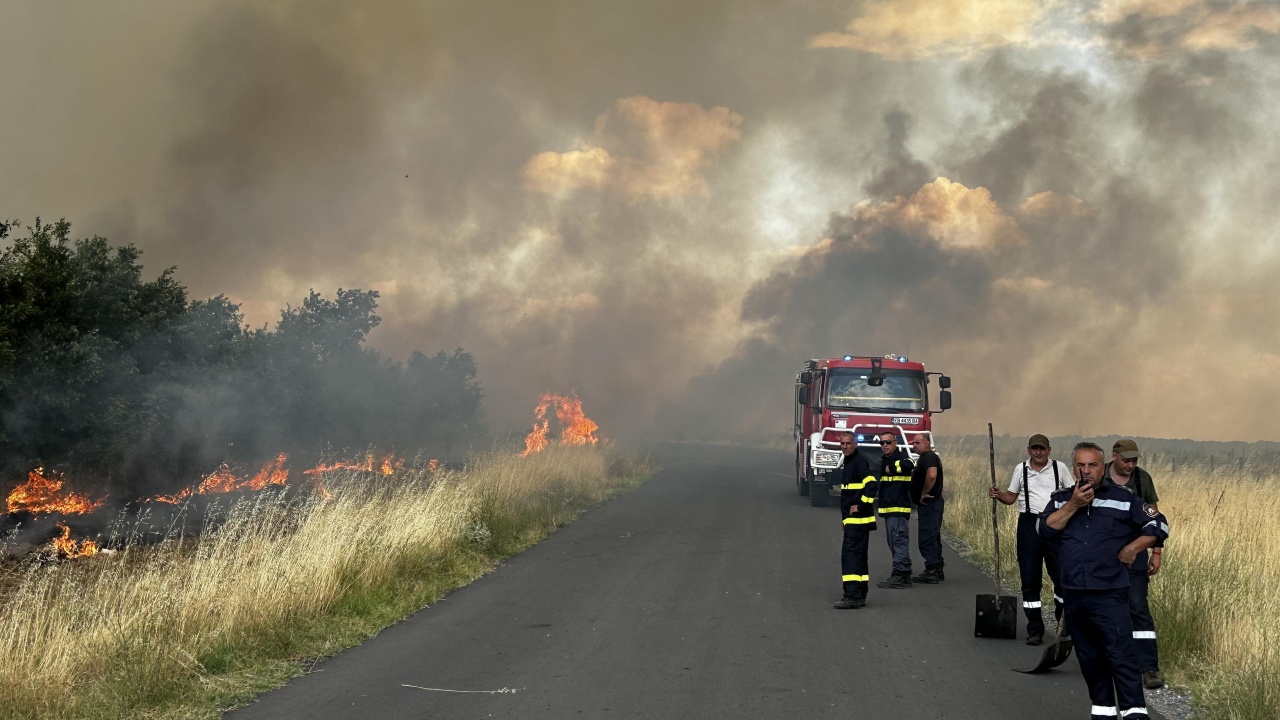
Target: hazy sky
667 206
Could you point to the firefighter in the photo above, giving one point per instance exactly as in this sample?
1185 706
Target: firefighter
926 496
1033 481
894 505
857 518
1123 472
1099 531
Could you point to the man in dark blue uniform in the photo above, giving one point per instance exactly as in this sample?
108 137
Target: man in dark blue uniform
857 517
894 505
1099 530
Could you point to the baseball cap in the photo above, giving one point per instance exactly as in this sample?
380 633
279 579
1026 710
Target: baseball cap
1127 448
1038 439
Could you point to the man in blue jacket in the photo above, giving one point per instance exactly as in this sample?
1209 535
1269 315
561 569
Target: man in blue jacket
1099 530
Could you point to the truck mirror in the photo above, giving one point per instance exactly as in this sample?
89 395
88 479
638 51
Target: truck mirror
944 399
806 378
804 396
877 376
944 382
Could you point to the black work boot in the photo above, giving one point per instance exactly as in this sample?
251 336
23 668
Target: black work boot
1152 680
928 577
937 572
848 602
1035 638
896 581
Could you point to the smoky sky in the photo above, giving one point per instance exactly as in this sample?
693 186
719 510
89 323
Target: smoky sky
666 207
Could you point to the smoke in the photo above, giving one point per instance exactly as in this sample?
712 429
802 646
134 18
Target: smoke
667 208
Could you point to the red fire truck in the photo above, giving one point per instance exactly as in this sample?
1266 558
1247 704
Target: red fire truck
862 395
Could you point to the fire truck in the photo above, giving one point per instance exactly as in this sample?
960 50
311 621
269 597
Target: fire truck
862 395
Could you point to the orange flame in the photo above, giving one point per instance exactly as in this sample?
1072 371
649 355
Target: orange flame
66 547
433 465
42 494
575 427
390 465
224 480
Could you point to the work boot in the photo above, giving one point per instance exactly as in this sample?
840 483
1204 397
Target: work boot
928 577
848 602
1152 680
896 581
937 572
1037 639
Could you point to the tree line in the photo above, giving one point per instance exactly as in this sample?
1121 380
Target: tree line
128 381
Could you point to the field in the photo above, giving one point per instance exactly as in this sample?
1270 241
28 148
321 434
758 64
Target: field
1214 598
183 628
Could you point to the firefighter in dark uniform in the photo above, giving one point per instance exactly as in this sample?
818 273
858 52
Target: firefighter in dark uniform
857 517
1099 530
894 505
1123 472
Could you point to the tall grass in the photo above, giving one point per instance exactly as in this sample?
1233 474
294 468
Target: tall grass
179 629
1214 599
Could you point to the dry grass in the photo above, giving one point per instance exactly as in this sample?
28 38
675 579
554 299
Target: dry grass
179 629
1214 598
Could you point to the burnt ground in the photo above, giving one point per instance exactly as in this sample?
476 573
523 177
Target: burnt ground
705 593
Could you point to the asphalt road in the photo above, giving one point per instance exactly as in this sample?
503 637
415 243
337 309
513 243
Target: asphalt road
706 593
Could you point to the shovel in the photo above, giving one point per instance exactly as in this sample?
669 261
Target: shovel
997 615
1054 655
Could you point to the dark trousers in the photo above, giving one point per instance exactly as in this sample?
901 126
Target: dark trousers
898 533
1144 627
1103 635
930 533
853 560
1033 554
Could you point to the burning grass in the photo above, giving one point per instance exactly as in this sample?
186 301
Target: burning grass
1213 599
180 629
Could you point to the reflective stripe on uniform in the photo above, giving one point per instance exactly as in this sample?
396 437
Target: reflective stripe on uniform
896 478
1031 604
1103 710
1112 504
866 499
1144 634
1131 711
1058 600
855 578
887 510
859 520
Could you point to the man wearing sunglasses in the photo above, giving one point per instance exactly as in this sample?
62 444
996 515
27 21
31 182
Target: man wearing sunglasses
1033 481
894 505
857 517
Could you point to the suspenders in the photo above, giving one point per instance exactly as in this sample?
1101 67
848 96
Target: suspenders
1026 494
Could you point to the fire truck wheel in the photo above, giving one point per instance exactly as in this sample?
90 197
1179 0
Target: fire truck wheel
819 495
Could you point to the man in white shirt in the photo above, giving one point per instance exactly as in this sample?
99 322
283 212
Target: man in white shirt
1033 481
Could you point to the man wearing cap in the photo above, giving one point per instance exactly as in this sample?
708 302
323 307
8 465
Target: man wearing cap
1123 472
1033 481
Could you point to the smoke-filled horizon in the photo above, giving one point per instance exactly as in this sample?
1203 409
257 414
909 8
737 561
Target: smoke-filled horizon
1068 207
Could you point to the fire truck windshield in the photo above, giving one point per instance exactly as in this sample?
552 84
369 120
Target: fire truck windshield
902 391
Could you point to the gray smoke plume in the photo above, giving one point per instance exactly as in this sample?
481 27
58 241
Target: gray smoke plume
668 207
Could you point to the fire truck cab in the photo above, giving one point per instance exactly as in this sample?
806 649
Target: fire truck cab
862 395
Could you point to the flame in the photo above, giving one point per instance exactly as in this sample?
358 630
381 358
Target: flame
42 494
575 427
390 465
66 547
224 479
433 465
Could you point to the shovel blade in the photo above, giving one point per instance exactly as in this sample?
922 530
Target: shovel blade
1054 655
996 617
